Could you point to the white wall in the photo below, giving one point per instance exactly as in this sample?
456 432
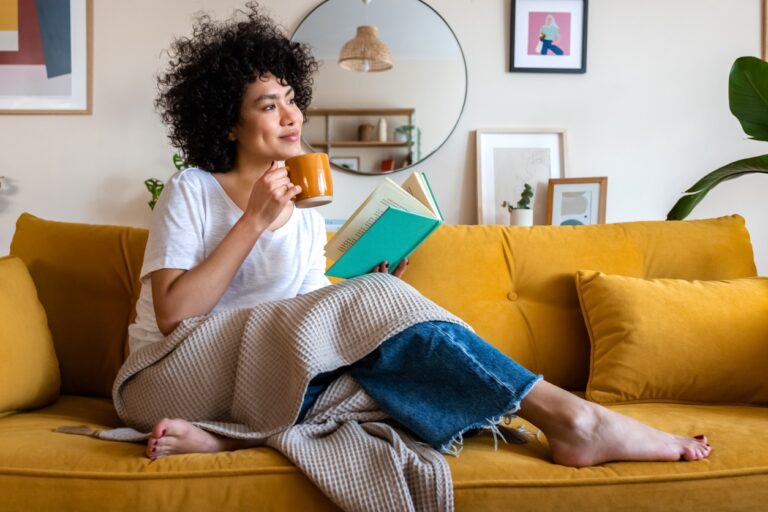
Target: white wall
651 113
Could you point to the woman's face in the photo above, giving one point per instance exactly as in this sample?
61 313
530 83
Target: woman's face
270 122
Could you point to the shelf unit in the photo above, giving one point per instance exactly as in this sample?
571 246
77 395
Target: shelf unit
330 142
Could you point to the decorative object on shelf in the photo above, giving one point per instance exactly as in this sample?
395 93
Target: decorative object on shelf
387 164
365 52
576 201
412 135
365 132
548 36
52 41
507 159
418 33
521 214
747 90
382 129
350 163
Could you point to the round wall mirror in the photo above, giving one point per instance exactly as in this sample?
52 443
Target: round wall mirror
391 86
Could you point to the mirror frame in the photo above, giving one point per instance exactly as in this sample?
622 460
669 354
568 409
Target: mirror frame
458 117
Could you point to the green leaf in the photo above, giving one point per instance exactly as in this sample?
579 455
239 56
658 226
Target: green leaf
748 95
701 188
179 162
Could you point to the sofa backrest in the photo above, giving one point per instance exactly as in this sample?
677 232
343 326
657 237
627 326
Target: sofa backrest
514 285
87 278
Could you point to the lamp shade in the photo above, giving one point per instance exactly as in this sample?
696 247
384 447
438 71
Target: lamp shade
365 52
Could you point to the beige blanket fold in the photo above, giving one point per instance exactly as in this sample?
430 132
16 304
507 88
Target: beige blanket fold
243 374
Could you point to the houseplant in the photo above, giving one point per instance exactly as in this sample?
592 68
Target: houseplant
155 186
412 134
521 214
748 100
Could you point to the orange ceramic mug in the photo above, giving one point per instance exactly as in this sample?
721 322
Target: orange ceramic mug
312 173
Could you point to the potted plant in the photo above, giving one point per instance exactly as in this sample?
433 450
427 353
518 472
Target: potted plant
748 100
412 134
521 214
155 186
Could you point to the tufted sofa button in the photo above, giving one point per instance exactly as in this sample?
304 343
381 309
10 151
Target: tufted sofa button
512 296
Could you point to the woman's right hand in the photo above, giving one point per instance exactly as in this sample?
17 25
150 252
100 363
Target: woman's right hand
269 195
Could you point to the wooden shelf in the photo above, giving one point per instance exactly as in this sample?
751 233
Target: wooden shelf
361 144
351 119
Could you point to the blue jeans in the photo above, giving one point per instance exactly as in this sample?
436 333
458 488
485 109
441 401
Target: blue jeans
437 379
547 45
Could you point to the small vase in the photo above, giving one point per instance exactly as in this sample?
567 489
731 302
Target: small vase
521 217
382 129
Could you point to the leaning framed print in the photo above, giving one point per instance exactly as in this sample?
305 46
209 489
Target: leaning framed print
576 201
46 56
507 159
548 36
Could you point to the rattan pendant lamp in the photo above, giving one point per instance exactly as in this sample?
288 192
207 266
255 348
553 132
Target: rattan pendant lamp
365 52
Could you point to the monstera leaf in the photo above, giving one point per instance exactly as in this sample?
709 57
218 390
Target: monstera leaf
748 98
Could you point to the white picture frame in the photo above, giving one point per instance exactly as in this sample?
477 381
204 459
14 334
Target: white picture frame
577 201
509 158
43 75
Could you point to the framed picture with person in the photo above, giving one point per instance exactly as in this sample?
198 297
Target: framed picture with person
548 36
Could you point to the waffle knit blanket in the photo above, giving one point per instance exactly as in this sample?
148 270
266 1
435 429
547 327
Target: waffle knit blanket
243 374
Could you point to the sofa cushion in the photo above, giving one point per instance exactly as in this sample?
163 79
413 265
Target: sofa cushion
29 371
44 470
676 340
87 278
515 285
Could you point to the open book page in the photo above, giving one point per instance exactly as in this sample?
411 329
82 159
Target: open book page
417 186
387 194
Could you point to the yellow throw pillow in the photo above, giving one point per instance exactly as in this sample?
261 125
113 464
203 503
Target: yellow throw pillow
29 371
672 340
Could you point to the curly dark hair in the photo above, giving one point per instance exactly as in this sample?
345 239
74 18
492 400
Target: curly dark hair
202 91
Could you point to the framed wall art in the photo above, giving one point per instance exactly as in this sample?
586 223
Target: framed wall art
764 30
548 36
507 159
350 163
576 201
46 56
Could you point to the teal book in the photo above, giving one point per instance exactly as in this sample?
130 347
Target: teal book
390 224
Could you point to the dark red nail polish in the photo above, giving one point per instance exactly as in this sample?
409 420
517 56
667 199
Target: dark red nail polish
163 433
699 437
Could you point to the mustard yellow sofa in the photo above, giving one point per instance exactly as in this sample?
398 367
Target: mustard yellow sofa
516 286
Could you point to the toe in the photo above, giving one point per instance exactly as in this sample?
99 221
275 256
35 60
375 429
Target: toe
160 429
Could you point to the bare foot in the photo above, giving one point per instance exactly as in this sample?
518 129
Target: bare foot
600 435
174 436
582 433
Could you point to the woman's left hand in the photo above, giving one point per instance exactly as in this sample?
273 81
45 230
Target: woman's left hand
384 267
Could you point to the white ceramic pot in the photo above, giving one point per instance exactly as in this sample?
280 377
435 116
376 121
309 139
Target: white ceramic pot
521 217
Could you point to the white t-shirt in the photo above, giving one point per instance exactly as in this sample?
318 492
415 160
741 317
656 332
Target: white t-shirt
192 216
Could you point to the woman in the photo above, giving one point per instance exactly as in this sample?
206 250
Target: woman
549 35
225 235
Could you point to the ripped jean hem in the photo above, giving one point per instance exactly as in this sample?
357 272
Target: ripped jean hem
456 443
